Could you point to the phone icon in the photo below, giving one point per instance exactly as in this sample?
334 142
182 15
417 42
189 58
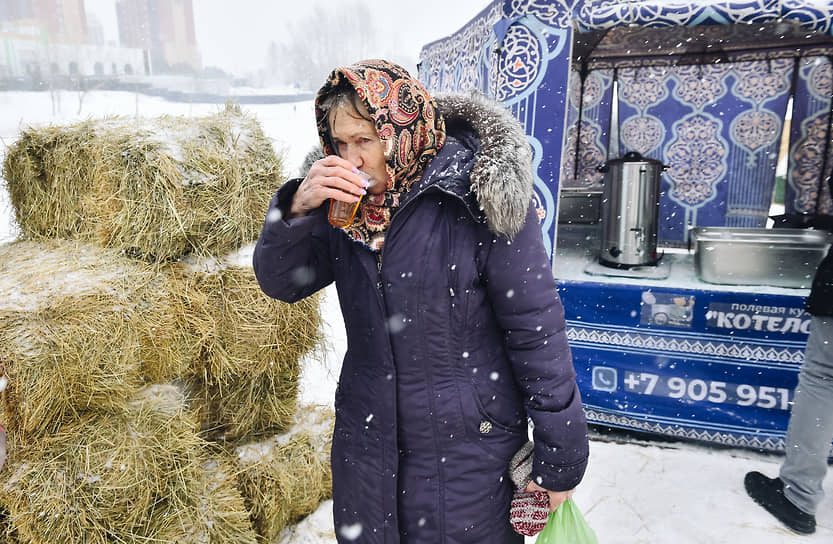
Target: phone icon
604 378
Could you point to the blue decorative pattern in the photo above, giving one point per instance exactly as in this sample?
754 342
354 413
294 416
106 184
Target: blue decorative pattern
555 13
642 88
595 121
675 345
700 85
819 80
591 156
758 130
815 17
525 68
718 127
754 131
543 198
595 86
759 82
805 171
520 64
642 134
455 63
697 159
809 128
683 429
606 14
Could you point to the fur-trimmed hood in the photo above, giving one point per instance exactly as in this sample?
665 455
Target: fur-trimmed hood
501 177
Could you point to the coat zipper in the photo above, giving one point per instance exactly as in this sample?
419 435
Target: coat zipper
395 468
379 275
452 273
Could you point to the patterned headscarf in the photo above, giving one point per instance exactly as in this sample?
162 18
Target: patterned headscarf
410 127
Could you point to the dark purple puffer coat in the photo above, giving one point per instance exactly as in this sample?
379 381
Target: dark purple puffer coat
455 336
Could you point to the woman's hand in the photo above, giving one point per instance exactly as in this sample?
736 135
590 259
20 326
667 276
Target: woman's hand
556 497
330 177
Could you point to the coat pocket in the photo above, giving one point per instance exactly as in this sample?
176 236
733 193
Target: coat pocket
496 439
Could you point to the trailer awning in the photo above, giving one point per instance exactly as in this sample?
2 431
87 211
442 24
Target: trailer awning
633 46
679 33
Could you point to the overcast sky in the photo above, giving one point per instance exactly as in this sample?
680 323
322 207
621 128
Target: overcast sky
227 30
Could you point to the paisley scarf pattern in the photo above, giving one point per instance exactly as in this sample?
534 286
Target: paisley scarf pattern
410 127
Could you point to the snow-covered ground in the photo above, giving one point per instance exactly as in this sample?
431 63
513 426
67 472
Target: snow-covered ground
652 492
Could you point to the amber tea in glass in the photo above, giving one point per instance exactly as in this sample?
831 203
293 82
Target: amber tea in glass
342 213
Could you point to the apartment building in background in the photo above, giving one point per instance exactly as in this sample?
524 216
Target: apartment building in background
47 42
163 27
65 21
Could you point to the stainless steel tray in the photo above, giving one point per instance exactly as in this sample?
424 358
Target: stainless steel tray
747 256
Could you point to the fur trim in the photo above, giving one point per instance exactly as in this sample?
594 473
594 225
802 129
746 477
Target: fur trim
502 174
313 155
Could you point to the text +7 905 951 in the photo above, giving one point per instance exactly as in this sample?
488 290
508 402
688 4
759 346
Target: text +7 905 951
698 390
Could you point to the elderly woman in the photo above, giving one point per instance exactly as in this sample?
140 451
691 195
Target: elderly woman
456 335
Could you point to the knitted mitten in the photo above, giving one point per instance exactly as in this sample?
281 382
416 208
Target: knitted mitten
529 511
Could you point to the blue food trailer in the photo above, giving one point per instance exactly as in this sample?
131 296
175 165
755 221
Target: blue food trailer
703 339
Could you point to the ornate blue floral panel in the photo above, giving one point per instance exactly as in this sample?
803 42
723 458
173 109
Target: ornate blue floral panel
601 14
517 51
594 98
459 62
812 14
717 128
805 191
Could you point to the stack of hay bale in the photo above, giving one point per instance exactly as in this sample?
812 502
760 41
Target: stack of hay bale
152 388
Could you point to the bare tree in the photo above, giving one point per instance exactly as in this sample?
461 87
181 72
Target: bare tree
341 33
273 61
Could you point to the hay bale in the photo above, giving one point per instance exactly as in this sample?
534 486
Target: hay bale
157 188
119 478
246 381
216 510
79 325
7 534
248 332
246 407
285 478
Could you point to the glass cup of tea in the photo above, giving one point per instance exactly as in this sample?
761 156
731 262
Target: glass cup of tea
341 213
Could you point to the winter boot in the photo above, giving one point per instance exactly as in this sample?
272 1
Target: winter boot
769 493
